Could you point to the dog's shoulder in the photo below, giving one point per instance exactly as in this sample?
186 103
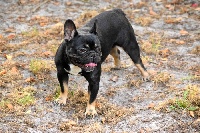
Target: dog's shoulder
60 54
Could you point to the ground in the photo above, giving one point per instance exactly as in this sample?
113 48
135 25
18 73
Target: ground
169 38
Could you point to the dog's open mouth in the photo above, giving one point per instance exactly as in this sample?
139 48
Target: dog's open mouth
89 67
85 65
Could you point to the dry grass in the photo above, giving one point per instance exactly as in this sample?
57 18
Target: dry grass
3 42
107 67
72 125
38 66
188 99
143 21
141 4
26 96
195 77
135 83
53 45
41 36
9 74
193 94
164 53
170 20
196 50
153 45
55 32
11 45
110 113
32 33
84 17
161 78
146 59
163 106
18 99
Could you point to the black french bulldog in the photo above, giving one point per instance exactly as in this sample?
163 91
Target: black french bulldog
84 49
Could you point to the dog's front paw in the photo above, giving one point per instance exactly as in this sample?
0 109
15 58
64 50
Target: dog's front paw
90 111
61 100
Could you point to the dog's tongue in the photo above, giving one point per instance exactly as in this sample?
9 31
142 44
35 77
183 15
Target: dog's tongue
91 64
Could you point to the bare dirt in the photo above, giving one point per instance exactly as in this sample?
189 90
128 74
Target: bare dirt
169 35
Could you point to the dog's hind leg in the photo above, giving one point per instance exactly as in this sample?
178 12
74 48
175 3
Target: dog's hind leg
116 55
133 50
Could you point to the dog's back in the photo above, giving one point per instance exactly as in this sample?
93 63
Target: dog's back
113 29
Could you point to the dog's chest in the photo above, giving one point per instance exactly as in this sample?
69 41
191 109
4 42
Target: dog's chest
74 70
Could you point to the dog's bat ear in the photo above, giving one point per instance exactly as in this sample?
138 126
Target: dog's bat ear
69 30
93 30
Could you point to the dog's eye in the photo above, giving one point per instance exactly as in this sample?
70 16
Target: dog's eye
87 45
82 50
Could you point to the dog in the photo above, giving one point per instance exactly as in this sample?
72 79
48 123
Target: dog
83 51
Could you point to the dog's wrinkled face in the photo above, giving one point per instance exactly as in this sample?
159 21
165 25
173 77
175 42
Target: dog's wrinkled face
83 51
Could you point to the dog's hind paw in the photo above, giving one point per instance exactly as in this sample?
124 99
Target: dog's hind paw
146 78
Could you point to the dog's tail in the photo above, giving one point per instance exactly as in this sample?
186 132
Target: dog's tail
119 11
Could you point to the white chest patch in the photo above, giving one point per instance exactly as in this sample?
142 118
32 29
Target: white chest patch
74 70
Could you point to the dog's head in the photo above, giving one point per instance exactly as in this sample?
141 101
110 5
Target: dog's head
84 50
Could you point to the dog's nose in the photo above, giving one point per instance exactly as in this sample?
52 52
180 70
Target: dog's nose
91 58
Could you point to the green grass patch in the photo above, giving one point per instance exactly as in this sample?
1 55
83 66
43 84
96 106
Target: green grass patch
32 33
20 97
56 93
190 99
191 77
38 65
25 96
26 99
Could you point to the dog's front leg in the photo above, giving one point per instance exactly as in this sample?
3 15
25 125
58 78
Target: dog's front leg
93 78
92 93
63 80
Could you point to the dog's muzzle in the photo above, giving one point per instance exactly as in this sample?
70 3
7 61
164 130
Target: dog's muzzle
87 62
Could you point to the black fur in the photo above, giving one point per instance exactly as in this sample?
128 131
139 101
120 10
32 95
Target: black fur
98 37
